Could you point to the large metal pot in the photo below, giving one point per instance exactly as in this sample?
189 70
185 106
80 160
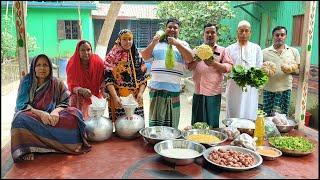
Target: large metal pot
129 125
98 128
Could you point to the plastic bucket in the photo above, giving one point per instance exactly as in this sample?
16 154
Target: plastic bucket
307 119
62 68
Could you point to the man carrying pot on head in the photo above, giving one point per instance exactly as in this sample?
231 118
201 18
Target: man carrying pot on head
169 57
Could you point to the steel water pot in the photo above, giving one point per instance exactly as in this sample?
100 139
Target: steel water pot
129 125
99 128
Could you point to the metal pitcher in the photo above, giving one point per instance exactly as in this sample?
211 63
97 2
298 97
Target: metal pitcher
98 128
129 125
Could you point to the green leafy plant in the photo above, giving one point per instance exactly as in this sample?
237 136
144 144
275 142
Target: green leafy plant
194 15
9 42
253 77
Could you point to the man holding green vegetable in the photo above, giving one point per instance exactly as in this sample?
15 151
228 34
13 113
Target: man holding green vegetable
169 56
239 103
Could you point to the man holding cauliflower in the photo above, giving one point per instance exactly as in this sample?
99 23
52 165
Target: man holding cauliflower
280 61
210 63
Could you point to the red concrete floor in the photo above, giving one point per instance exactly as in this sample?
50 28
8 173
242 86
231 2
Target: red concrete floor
119 158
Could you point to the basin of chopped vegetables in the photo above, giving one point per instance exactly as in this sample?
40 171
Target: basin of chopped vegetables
293 143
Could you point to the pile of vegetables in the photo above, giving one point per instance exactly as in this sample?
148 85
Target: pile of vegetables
292 143
203 53
162 34
289 67
200 125
253 77
269 68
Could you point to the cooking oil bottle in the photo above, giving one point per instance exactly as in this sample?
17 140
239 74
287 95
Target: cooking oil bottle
259 130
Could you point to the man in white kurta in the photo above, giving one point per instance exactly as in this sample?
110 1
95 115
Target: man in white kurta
243 104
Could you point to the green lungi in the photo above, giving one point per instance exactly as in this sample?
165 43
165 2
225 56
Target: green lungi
206 109
164 108
276 101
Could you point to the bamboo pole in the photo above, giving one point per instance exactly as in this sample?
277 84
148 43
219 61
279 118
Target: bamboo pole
107 28
22 44
306 47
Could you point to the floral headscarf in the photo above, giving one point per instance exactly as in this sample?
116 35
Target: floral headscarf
117 52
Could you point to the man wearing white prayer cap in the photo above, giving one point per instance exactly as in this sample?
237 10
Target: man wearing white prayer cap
241 104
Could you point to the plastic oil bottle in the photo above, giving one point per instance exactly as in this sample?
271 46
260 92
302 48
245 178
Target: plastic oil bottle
259 132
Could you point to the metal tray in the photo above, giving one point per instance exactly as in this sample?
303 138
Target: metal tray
258 158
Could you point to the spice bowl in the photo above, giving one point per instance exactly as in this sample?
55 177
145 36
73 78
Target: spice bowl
268 153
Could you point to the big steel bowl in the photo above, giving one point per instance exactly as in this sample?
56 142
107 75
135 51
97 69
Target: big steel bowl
156 134
257 158
286 128
243 125
179 143
222 136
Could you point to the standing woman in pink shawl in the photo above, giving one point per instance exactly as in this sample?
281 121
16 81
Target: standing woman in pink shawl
124 75
84 77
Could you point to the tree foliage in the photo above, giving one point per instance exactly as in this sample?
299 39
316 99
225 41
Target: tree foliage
193 15
9 41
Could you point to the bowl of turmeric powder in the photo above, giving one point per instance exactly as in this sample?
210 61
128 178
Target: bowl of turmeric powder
268 153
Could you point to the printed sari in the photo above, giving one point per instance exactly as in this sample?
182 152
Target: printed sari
30 135
126 71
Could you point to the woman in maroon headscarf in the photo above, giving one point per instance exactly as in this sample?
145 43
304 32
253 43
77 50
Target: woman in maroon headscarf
84 76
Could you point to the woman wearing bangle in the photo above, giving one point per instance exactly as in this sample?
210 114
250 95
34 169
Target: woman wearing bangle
43 121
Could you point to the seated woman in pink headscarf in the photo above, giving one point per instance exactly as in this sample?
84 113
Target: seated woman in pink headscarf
84 77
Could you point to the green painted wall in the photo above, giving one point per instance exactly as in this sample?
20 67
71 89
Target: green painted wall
242 15
44 27
270 15
42 24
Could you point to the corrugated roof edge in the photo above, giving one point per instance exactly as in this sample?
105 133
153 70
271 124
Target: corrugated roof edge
71 5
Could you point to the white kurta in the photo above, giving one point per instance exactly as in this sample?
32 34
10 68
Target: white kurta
241 104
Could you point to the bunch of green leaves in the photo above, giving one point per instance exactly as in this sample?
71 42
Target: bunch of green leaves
239 75
200 125
257 77
243 77
194 17
292 143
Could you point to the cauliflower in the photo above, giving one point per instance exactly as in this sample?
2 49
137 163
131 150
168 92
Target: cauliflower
203 52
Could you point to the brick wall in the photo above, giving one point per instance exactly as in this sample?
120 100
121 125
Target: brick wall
313 80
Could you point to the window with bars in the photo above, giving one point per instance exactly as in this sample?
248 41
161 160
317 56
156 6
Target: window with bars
297 30
69 29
